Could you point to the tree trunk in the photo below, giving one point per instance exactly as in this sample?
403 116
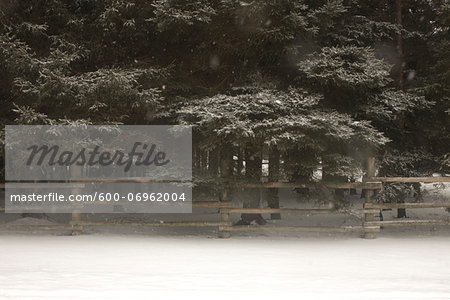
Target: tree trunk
213 163
339 194
417 191
274 175
203 160
353 191
253 164
240 162
226 171
398 7
196 161
401 212
226 162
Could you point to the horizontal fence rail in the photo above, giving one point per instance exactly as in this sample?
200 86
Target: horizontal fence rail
313 211
80 183
342 229
407 205
412 179
397 223
330 185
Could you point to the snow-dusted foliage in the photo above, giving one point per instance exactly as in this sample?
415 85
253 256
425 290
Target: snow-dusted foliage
315 78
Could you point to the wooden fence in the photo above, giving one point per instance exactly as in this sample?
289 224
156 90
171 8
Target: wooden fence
224 208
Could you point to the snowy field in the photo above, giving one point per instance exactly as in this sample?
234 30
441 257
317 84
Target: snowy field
149 267
189 263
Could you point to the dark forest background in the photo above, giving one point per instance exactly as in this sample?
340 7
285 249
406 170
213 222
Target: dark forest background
299 86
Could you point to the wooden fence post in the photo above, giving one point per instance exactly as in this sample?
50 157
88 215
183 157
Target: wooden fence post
368 217
75 172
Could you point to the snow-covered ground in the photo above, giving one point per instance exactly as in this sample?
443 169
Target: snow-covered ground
191 263
143 267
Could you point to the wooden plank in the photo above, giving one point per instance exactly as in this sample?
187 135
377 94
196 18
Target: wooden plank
202 204
313 211
367 211
223 225
226 208
396 223
154 224
108 180
53 185
366 185
35 227
370 173
127 180
343 185
205 204
211 204
363 185
302 228
76 171
412 179
406 205
278 210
